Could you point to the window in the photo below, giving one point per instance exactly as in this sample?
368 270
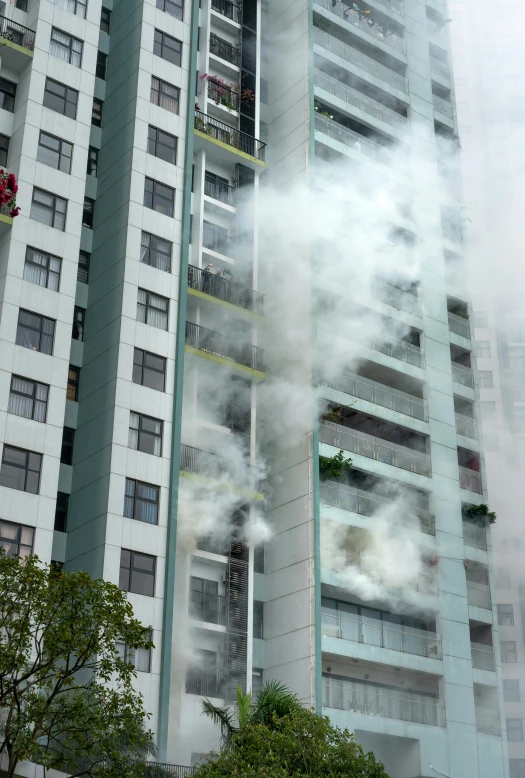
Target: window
137 573
54 152
173 7
42 269
96 112
61 511
149 370
105 19
35 332
73 377
7 95
156 251
505 615
502 578
152 309
488 410
21 5
61 98
28 399
83 267
486 380
517 362
167 47
159 197
514 730
140 658
65 47
92 165
141 502
483 348
20 469
165 95
68 441
77 7
257 681
145 434
79 317
258 611
4 150
508 651
88 213
49 209
163 145
102 63
511 690
15 539
481 319
258 559
517 768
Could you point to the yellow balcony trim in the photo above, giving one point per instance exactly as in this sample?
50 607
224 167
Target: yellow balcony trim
16 47
231 306
6 219
222 485
227 147
223 361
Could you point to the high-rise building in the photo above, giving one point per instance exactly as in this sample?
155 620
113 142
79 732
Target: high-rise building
136 275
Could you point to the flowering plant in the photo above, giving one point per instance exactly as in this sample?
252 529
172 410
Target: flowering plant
8 190
222 92
247 96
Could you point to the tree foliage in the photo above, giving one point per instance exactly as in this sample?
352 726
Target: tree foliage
66 696
480 514
332 467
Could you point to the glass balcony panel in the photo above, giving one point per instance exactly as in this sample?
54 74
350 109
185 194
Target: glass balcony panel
387 36
462 375
459 325
483 657
474 535
478 595
352 139
466 426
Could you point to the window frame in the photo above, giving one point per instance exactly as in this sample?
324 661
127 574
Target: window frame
61 512
158 89
156 198
76 5
66 98
105 19
92 161
26 469
127 571
84 266
101 65
149 308
163 5
7 94
503 615
32 397
73 382
512 696
510 649
143 368
66 448
69 47
518 730
97 105
143 434
3 160
151 249
156 144
60 152
79 324
51 208
49 273
133 501
88 210
39 331
162 44
130 654
4 539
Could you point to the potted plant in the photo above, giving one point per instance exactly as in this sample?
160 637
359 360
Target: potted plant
480 515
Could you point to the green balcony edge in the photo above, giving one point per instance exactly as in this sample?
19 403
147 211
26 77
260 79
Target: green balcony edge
228 362
225 304
248 493
229 148
16 47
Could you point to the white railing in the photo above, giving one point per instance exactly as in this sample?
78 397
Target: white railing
466 426
443 107
478 595
482 657
393 399
347 13
474 535
403 301
352 139
459 325
488 721
348 53
376 633
462 375
470 480
400 349
393 5
440 67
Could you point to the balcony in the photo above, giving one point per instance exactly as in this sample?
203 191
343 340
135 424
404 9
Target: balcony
222 95
213 545
18 43
382 701
358 100
227 9
352 139
459 325
238 141
488 721
354 57
211 342
208 607
478 595
393 399
400 349
416 642
224 50
443 107
466 426
474 535
462 375
452 231
470 480
161 770
397 298
483 657
232 292
384 33
219 190
217 239
375 448
440 67
205 683
210 465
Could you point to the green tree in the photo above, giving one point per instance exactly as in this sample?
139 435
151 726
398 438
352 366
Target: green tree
66 696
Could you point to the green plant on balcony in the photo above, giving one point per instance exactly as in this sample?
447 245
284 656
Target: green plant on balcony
8 190
480 515
332 467
321 110
334 415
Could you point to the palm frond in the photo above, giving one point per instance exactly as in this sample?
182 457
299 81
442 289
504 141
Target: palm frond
274 697
244 707
220 716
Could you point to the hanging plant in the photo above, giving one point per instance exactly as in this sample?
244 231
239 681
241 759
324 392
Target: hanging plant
224 92
332 467
8 190
333 415
247 97
480 514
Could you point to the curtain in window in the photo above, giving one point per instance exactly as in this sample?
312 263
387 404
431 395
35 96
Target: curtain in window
144 246
76 54
128 498
169 98
157 446
161 250
148 512
141 306
142 660
35 270
42 208
133 437
54 274
39 413
46 340
121 649
21 406
59 47
158 316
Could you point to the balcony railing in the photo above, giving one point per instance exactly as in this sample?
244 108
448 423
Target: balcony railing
478 595
222 95
218 190
381 395
213 545
352 139
393 5
205 606
226 8
229 135
483 657
223 49
359 100
217 239
442 106
232 292
470 480
375 448
466 426
365 504
213 343
440 67
418 642
382 701
17 33
459 325
452 231
400 349
205 683
390 38
348 53
474 535
462 375
161 770
488 721
396 298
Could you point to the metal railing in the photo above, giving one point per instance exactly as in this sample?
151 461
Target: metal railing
396 298
223 49
17 33
348 53
161 769
217 189
214 343
226 8
213 545
352 139
466 426
474 535
207 684
382 701
208 607
381 395
233 292
359 100
462 375
459 325
488 721
229 135
440 67
393 5
470 480
482 657
400 349
223 95
365 504
442 106
374 448
217 239
390 38
418 642
478 595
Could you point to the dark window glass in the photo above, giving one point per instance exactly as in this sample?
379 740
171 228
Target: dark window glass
156 251
20 469
96 112
68 441
73 377
60 98
511 690
15 539
61 511
257 681
28 398
163 145
517 768
514 730
49 209
79 317
54 152
152 309
149 370
258 612
102 63
35 332
173 7
92 165
167 47
145 434
42 269
105 19
165 95
258 559
137 572
508 651
88 213
65 47
77 7
4 150
159 197
21 5
8 94
505 615
141 501
83 267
